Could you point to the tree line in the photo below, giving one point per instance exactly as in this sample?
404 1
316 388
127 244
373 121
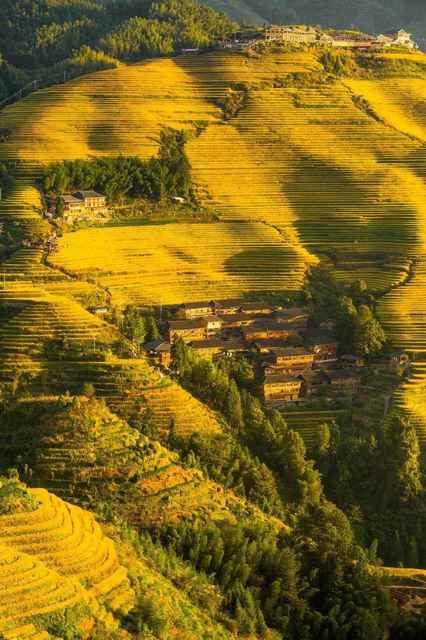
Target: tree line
166 175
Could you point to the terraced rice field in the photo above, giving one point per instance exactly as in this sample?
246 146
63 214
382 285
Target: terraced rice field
297 156
52 559
24 338
399 101
121 111
182 262
306 423
302 169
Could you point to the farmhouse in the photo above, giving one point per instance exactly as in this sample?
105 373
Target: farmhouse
213 325
191 310
343 380
280 388
323 347
354 41
216 346
268 346
352 361
266 329
293 358
187 330
295 316
227 307
72 205
161 352
312 382
84 204
261 308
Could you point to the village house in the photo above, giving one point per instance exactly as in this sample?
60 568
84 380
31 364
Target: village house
268 346
350 360
216 346
313 382
161 352
295 316
267 329
354 41
345 381
213 324
191 310
187 330
259 308
92 200
293 358
227 307
239 320
323 347
279 388
72 206
84 204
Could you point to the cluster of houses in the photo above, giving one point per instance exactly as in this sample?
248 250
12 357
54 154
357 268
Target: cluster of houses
305 35
265 332
81 205
348 40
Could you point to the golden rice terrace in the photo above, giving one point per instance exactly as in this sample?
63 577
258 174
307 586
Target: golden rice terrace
303 167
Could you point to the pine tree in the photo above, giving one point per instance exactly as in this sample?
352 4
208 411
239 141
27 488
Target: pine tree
402 458
234 411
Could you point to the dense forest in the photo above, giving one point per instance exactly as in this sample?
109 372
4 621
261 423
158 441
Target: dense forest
46 41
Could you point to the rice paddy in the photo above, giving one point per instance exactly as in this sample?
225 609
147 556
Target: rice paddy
299 171
167 264
52 559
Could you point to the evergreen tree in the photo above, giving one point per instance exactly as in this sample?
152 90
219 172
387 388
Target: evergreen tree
402 458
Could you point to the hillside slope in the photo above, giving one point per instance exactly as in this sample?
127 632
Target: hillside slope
298 152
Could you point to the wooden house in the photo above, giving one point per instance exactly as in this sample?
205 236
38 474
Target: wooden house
323 347
187 330
192 310
161 352
267 329
350 360
227 307
260 308
280 388
268 346
72 206
346 381
92 201
297 317
313 382
213 325
293 358
216 346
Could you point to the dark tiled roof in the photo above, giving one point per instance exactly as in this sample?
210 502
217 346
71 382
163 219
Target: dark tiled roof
278 378
187 324
89 193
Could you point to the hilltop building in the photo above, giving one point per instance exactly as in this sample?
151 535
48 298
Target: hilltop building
292 35
399 39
